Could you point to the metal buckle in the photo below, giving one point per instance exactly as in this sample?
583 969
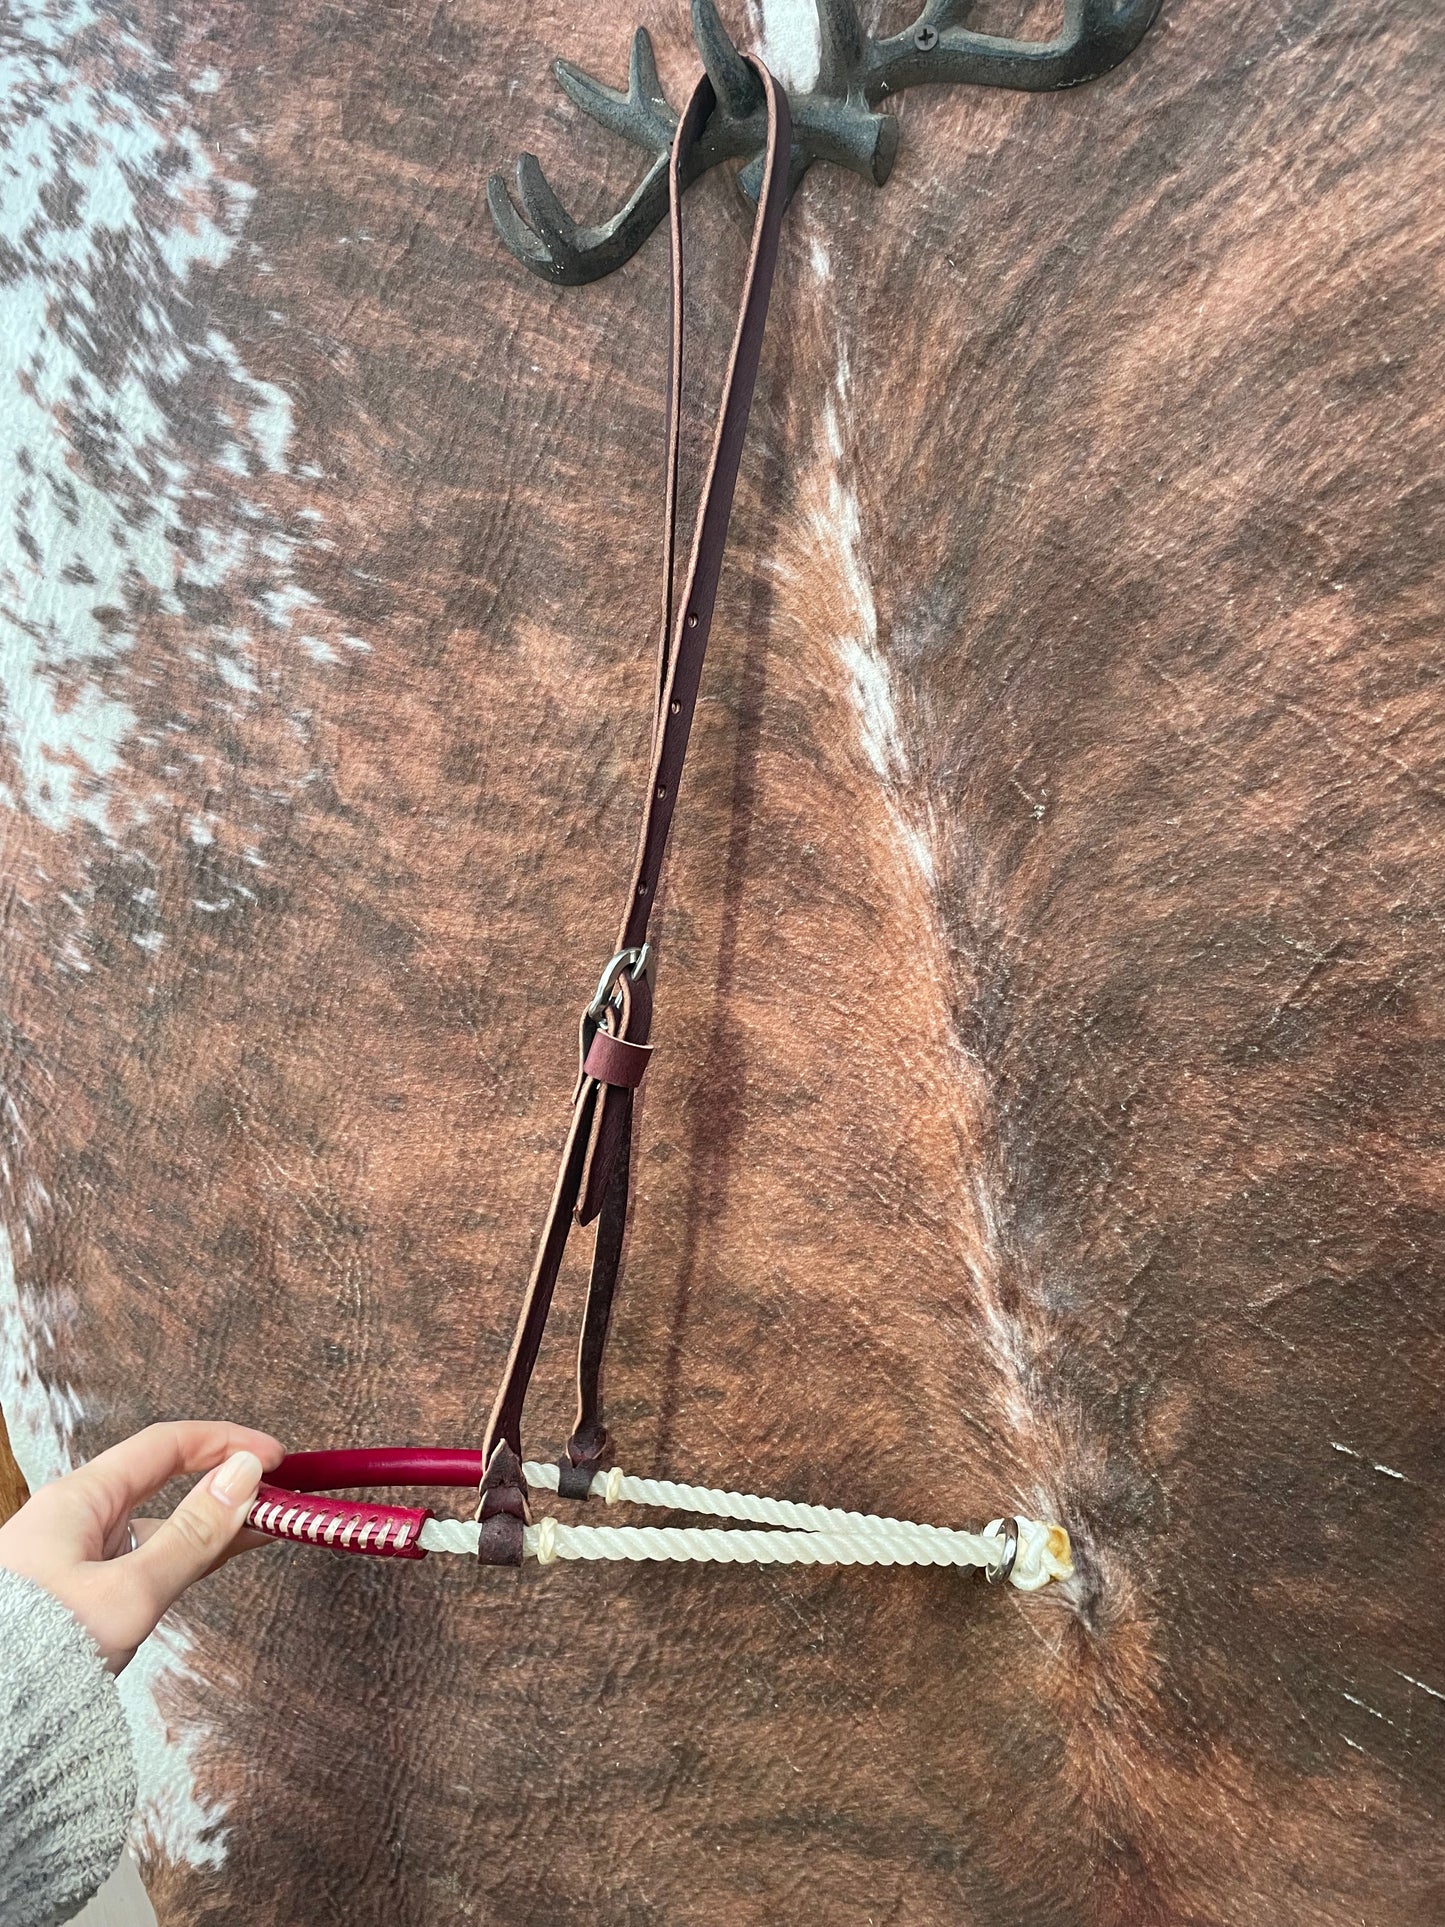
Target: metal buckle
634 962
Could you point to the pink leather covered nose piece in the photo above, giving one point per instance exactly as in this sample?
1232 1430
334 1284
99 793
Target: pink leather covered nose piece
297 1505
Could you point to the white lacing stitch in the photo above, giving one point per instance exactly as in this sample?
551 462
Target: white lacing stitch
810 1535
304 1523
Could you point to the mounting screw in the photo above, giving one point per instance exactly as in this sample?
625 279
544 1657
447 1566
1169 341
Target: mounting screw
925 38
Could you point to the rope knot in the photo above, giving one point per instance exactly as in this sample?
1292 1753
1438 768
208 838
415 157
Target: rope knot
545 1544
1044 1552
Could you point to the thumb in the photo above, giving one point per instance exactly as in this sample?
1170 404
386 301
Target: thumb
199 1530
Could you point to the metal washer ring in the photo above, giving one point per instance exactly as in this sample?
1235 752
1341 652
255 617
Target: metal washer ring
1005 1566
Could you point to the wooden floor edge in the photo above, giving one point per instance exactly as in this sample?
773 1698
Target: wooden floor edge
13 1489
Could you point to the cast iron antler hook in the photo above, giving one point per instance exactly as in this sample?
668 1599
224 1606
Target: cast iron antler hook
835 121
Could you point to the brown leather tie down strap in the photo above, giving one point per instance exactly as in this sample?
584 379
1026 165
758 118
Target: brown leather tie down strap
595 1170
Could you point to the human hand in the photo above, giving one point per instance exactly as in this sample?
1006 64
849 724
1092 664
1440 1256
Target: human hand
73 1536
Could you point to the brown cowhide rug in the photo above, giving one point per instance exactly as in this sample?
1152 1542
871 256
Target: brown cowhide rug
1047 1107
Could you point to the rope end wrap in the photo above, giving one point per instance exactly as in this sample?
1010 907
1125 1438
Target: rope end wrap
1041 1552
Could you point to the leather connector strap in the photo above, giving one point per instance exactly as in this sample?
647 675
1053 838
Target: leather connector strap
503 1488
593 1178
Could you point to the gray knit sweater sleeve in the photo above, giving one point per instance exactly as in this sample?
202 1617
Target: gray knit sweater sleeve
67 1773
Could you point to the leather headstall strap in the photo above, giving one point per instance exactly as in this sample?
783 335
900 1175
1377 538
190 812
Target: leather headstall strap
594 1177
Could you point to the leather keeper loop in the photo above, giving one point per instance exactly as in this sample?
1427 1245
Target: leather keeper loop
612 1060
580 1464
499 1541
574 1481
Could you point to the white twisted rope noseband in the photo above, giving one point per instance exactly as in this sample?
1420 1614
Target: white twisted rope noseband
809 1535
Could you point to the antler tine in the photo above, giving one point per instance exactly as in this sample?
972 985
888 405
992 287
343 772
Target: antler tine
840 47
553 246
514 230
642 114
1096 35
1104 32
544 236
738 89
550 221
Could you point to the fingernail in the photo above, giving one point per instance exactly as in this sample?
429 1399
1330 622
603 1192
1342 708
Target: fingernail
237 1479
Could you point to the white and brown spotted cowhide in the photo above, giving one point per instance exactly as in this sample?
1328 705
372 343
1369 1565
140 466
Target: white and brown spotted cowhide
1047 1107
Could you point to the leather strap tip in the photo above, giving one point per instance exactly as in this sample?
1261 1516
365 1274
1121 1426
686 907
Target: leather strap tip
613 1060
505 1502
